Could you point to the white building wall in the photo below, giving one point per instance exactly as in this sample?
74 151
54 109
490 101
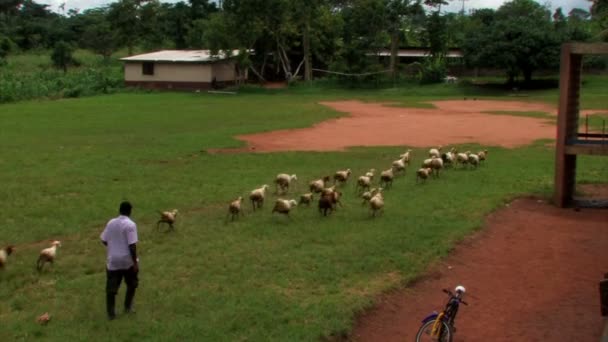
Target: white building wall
224 71
175 72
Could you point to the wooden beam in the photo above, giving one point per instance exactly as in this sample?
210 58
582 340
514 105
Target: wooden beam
587 149
587 48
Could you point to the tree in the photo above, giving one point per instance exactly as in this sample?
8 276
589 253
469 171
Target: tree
31 25
365 31
599 14
397 11
124 18
98 35
436 35
579 14
579 25
62 55
176 23
5 48
519 39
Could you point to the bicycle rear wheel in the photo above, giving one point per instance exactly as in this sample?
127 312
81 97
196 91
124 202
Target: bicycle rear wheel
424 333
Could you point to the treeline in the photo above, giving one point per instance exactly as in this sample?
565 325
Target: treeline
292 37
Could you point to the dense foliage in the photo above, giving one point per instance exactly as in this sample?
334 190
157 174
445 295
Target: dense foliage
291 38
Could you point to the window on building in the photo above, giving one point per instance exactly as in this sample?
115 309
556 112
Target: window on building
147 68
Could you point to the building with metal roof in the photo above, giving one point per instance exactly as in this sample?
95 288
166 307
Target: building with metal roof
182 69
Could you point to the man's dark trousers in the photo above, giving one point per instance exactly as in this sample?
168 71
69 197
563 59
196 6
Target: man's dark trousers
114 278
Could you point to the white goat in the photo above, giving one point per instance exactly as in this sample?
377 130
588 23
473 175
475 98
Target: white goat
235 208
4 253
306 198
376 203
369 194
363 183
370 174
435 152
317 185
283 206
436 165
48 255
167 217
386 178
257 197
283 181
423 174
341 176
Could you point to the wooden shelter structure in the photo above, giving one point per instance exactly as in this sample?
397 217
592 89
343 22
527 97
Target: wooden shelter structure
570 142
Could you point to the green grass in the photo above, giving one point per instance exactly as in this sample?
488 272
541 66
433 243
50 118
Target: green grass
595 122
67 164
540 115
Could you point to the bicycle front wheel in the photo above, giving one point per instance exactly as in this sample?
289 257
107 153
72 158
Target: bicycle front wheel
425 332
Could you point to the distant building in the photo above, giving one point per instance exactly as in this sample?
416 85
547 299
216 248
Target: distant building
181 69
416 52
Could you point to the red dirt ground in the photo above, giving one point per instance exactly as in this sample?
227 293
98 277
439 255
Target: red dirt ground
531 274
374 124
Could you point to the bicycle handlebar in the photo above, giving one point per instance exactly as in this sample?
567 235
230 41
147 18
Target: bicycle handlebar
453 296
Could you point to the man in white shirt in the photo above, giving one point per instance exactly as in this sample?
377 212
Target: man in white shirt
120 238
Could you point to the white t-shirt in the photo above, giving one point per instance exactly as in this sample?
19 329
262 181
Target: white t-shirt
120 232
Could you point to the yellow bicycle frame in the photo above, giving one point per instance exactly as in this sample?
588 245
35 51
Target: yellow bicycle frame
437 326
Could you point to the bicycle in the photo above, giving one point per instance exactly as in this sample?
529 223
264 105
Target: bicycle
440 326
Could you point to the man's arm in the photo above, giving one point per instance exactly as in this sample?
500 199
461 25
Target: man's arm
102 236
132 241
133 251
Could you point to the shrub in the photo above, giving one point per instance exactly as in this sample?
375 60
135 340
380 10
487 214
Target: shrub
433 70
62 55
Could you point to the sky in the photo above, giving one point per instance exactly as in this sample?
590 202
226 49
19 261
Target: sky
455 5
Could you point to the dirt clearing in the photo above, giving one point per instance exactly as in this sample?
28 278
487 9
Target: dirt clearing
375 124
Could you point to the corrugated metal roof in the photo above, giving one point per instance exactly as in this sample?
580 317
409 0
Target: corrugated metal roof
181 56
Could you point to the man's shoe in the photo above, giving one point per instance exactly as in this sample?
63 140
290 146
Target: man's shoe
111 317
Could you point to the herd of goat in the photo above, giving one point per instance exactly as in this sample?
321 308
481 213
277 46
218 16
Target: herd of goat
329 196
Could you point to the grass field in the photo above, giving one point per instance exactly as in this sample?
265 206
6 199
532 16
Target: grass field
67 164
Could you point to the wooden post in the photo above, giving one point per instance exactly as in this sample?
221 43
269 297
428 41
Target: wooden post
567 125
604 297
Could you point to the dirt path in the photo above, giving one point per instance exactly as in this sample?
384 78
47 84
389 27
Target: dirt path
532 274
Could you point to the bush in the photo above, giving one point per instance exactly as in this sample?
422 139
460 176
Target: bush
434 70
6 45
62 55
16 85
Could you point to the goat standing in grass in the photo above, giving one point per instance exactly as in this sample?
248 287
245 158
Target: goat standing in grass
386 178
306 198
341 176
257 197
330 198
47 255
167 217
4 253
235 208
283 182
283 206
376 203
